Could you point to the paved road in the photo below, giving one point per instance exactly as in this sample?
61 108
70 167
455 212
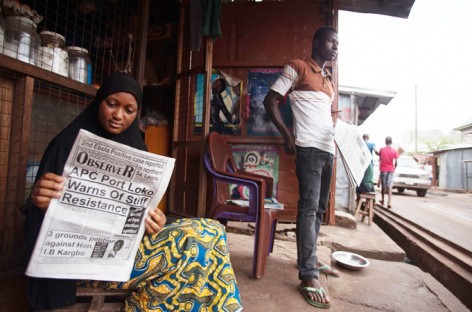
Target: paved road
446 214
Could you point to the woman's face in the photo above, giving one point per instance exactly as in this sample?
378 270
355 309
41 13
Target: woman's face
117 112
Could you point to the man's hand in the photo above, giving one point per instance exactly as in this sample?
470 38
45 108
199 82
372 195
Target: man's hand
271 104
49 186
155 221
289 143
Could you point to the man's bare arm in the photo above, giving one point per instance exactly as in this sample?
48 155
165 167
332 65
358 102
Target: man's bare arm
271 104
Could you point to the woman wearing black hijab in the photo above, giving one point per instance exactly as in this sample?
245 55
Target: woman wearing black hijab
173 285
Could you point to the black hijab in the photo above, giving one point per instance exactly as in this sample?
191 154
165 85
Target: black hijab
88 119
45 293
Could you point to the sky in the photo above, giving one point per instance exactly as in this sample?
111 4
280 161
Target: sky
431 50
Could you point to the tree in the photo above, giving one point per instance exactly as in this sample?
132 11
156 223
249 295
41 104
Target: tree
435 145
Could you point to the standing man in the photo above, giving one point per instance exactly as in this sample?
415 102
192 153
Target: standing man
311 97
370 145
388 162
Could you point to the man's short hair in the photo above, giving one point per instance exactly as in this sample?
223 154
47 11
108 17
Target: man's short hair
323 31
388 140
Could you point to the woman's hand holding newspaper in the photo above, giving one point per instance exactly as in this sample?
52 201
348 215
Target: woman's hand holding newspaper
155 221
48 186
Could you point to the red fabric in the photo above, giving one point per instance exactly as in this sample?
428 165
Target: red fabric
387 155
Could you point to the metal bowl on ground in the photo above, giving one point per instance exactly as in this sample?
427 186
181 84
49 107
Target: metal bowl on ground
349 260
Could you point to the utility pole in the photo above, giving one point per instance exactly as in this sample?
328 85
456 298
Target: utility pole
416 118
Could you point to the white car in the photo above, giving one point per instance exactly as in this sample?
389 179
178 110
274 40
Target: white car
409 176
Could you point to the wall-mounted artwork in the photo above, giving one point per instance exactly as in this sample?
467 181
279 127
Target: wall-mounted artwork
259 159
258 122
225 108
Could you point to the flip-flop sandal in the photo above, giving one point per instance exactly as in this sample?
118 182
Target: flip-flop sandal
328 271
320 291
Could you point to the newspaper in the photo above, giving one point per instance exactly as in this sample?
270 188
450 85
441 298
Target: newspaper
94 229
354 150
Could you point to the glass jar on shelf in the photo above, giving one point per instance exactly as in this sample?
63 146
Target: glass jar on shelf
52 53
21 39
2 31
80 66
52 40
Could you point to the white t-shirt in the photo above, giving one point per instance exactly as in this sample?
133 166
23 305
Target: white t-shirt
311 104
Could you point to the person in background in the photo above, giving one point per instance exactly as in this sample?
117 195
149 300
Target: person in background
370 145
160 285
388 162
367 183
311 91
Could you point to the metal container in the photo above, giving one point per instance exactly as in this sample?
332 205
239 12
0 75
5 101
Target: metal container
349 260
52 40
79 64
21 39
52 53
2 31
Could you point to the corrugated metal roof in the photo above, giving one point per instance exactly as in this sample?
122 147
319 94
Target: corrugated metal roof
464 127
396 8
452 148
367 100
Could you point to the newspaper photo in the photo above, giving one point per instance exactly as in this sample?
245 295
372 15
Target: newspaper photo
94 229
354 151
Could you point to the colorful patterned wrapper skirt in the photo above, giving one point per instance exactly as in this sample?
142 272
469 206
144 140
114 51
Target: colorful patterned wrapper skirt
185 267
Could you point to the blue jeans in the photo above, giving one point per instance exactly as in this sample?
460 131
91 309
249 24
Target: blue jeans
314 170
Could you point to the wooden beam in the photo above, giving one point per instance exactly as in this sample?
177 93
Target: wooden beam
202 187
330 212
177 109
144 9
21 123
17 160
42 74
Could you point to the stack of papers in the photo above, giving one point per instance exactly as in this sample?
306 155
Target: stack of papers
271 203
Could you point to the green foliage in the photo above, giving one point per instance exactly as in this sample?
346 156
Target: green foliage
439 144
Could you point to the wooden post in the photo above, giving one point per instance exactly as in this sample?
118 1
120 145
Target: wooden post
16 175
144 8
202 187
